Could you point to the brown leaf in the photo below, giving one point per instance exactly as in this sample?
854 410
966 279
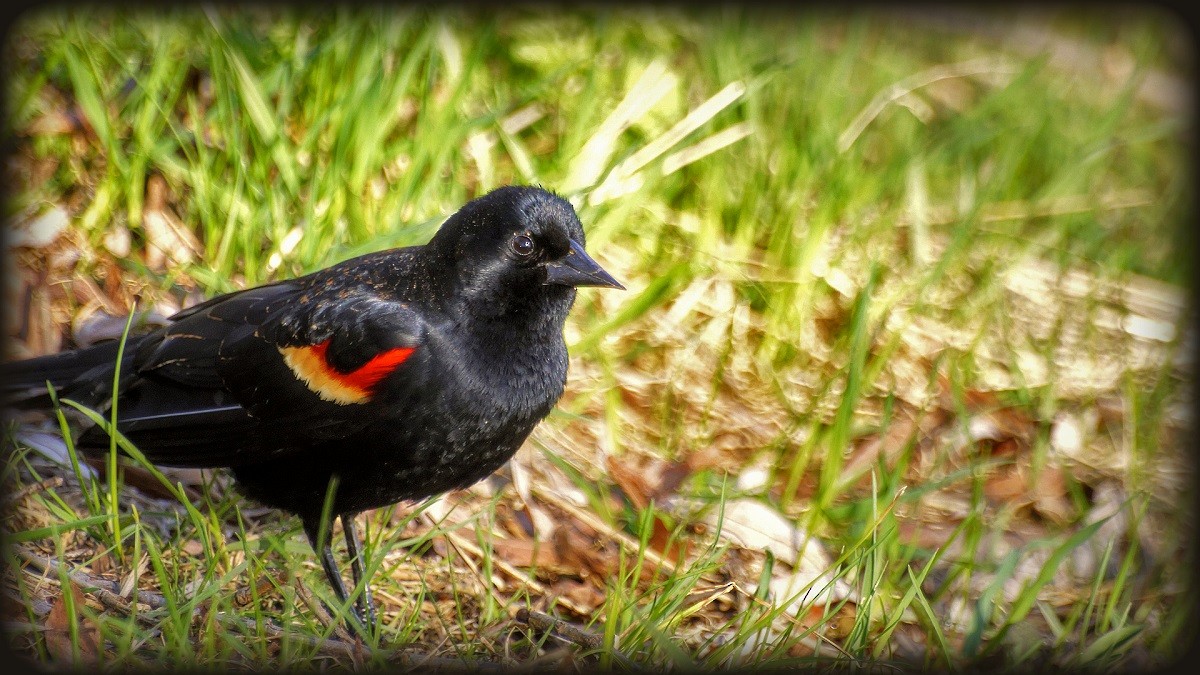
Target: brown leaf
632 483
515 521
654 482
582 554
58 630
660 541
651 480
102 565
834 627
1050 495
39 330
972 399
1016 422
142 479
583 594
1046 492
990 418
887 445
87 293
264 587
806 487
528 553
730 449
11 608
1006 483
671 477
55 123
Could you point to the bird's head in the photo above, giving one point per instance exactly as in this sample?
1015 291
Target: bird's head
517 248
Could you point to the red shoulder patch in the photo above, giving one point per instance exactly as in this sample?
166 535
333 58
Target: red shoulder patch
371 372
311 365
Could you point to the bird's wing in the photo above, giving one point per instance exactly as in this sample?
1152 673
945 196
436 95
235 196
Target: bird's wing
327 355
189 350
256 373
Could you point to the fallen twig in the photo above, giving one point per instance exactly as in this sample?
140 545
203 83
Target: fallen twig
46 484
327 646
561 629
108 592
424 662
318 608
566 631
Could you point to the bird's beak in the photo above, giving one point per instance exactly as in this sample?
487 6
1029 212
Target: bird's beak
578 269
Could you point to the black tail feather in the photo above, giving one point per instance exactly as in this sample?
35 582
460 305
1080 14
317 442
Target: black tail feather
83 374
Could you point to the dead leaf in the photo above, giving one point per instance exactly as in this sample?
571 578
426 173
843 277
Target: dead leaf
751 524
671 477
1050 495
582 554
168 240
58 630
142 479
926 534
12 608
887 445
88 294
649 481
661 542
39 231
725 452
632 483
56 123
584 595
263 588
1007 483
833 622
515 520
102 565
529 553
1046 492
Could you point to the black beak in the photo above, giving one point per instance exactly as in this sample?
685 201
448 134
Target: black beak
578 269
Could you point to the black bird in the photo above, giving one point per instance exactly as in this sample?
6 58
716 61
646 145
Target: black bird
391 376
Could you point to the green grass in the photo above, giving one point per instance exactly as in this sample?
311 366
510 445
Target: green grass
794 231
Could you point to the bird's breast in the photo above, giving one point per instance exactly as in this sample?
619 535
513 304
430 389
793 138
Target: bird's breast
522 373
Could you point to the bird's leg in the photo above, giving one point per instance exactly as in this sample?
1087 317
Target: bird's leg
365 605
324 551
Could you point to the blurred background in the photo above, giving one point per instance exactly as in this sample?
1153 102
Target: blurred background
903 373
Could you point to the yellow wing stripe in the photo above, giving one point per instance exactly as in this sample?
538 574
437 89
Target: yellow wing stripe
308 363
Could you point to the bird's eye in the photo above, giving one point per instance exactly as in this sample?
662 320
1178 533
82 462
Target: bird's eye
522 245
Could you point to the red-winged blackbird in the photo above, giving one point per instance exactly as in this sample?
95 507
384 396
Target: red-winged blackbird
395 375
